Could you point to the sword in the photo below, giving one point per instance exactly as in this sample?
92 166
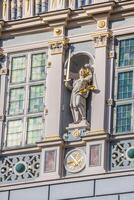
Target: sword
68 66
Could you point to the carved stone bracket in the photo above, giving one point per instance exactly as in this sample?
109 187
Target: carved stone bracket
2 117
3 71
1 26
75 134
58 46
110 102
101 38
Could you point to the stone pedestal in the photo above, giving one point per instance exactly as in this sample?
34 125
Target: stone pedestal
75 132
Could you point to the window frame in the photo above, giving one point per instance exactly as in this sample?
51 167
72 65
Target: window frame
26 85
119 69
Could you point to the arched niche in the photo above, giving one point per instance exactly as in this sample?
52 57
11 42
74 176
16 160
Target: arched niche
77 60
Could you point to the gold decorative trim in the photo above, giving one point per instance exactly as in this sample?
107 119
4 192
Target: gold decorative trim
101 24
58 31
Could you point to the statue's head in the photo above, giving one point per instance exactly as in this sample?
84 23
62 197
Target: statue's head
84 71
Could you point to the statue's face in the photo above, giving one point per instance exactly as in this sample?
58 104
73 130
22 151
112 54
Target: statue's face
82 72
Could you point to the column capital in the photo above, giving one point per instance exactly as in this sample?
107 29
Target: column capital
58 46
100 38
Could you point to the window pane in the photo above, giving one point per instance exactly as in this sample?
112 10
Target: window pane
36 98
38 66
35 127
18 69
123 122
14 133
126 57
125 80
16 101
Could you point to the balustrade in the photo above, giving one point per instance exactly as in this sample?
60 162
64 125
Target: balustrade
17 9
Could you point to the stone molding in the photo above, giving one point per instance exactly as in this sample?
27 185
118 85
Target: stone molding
1 26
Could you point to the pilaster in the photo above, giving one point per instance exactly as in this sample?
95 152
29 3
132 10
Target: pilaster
54 82
3 73
101 42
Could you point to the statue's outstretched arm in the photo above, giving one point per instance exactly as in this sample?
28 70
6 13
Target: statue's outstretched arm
68 85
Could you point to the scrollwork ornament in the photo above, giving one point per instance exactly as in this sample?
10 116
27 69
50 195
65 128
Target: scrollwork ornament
120 158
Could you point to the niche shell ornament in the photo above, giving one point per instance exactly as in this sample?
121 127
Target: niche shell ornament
75 161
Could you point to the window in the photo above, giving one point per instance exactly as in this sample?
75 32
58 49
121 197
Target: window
14 132
35 127
36 98
38 69
16 7
18 69
25 102
126 53
80 3
16 102
41 6
124 96
123 123
125 82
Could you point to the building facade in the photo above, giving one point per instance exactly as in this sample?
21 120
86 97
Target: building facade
57 143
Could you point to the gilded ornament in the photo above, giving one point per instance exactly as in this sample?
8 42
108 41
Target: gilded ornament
13 5
27 5
76 133
101 24
4 7
75 161
58 31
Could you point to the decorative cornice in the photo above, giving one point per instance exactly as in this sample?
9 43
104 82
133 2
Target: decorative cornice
42 21
99 8
45 21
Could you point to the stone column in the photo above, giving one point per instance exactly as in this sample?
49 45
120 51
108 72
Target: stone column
29 8
13 9
72 4
5 9
19 9
57 4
